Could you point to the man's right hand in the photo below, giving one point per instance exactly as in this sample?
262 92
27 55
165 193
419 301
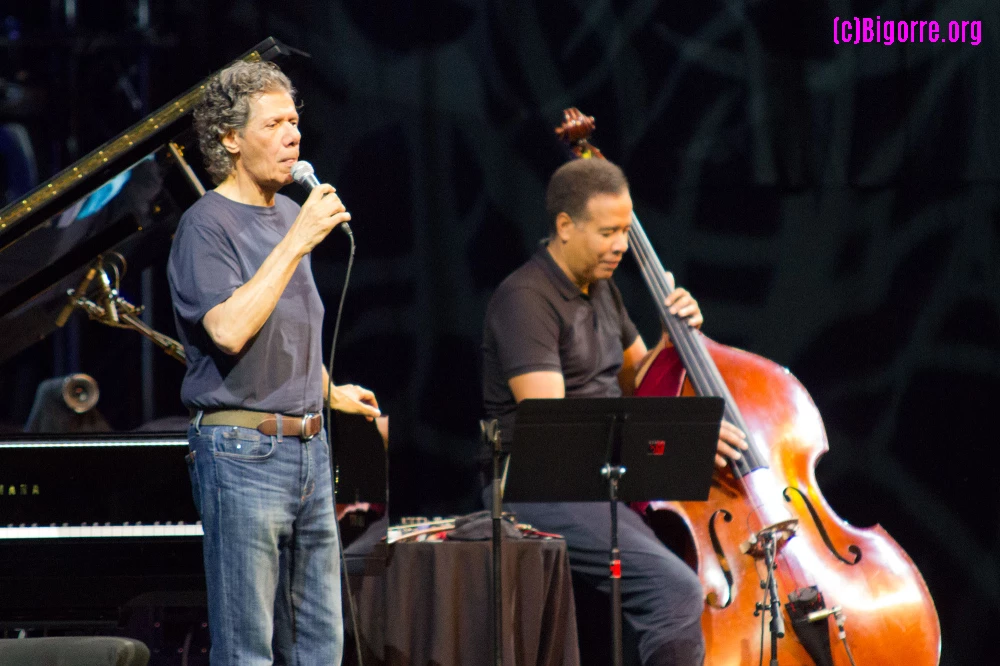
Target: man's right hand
322 211
353 399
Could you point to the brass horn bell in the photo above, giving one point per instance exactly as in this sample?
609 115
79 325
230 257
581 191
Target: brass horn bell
80 392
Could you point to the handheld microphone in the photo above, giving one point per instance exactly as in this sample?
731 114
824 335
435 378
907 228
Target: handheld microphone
304 174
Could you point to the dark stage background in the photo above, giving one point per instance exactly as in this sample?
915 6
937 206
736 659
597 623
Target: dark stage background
833 208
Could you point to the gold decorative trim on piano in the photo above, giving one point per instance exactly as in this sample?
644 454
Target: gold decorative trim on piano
94 161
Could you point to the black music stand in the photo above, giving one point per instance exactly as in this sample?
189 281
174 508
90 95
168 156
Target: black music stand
362 466
666 445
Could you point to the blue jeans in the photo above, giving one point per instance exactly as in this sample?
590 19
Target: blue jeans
272 564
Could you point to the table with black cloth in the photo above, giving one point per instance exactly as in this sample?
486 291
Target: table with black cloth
429 603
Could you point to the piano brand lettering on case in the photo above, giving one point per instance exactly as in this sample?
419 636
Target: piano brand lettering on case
14 490
657 447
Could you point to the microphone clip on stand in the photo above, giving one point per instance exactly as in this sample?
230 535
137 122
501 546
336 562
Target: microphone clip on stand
112 309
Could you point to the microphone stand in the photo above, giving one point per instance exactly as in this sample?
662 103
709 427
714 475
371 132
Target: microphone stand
772 603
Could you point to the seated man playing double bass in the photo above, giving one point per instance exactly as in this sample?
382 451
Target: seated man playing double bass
557 327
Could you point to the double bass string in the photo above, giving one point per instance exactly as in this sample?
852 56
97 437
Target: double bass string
702 371
653 273
704 375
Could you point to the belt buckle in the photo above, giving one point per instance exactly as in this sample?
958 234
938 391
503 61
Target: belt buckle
305 437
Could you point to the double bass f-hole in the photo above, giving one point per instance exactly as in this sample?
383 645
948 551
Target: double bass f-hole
853 549
720 556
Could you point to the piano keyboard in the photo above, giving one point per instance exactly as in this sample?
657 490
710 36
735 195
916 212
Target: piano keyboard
94 443
99 531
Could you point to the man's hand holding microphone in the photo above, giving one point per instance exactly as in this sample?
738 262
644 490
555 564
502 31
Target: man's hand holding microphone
322 211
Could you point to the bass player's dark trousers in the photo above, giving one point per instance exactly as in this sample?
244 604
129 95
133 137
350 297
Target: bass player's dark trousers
662 597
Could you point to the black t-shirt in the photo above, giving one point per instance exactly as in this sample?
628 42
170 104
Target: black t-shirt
220 244
539 320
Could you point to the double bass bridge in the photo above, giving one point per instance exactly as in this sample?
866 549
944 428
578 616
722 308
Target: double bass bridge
777 533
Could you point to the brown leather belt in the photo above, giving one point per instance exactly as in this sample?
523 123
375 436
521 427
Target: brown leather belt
305 426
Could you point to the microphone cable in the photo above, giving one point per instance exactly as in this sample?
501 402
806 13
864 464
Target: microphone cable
345 576
304 175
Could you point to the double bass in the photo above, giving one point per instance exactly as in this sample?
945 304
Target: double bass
778 566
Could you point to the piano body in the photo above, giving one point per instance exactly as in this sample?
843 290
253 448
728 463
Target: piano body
91 524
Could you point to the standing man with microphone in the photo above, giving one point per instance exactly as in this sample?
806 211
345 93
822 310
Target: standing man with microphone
250 318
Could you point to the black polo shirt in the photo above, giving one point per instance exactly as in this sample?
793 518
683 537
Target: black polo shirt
539 320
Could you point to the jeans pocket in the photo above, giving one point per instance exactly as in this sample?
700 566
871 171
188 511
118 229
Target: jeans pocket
195 480
245 444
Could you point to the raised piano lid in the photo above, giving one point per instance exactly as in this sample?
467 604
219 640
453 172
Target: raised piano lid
126 196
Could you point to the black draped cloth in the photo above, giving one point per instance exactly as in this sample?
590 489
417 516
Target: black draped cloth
429 603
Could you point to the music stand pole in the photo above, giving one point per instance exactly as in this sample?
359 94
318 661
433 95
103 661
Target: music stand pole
613 473
491 434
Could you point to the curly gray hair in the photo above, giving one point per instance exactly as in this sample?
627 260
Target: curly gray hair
225 106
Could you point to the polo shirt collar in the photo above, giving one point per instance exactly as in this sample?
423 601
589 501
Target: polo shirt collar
566 288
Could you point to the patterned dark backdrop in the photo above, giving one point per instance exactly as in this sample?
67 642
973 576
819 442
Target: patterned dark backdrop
834 208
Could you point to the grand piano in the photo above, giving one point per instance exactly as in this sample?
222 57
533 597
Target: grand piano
94 524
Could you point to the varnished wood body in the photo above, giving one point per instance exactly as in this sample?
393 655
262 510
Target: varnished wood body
890 616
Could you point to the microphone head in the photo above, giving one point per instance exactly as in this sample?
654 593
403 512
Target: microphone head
301 171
